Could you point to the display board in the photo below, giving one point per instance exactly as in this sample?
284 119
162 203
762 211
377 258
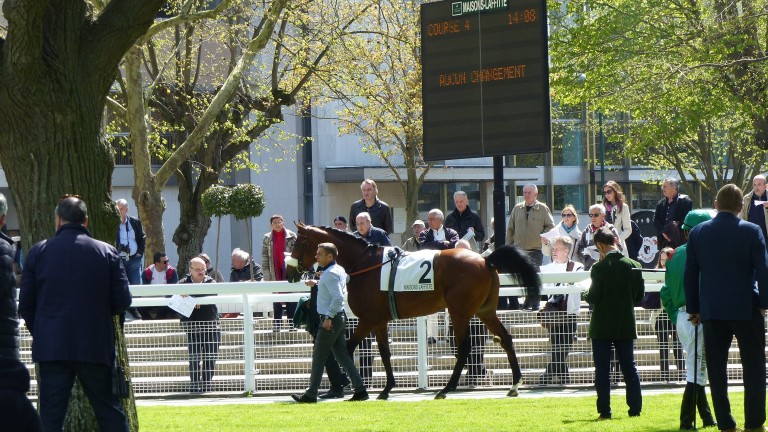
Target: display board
485 78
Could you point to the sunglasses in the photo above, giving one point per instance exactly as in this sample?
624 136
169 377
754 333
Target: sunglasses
594 214
565 215
609 191
164 262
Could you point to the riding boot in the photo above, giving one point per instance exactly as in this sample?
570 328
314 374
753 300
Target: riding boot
688 407
703 405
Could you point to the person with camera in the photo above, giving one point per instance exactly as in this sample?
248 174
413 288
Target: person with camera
130 241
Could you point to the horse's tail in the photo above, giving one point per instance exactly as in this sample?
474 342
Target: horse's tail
510 259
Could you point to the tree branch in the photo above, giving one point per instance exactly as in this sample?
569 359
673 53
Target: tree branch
118 27
185 18
224 94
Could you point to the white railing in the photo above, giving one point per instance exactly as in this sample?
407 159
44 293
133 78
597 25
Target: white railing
249 294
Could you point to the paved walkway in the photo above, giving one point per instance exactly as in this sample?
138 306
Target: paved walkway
413 396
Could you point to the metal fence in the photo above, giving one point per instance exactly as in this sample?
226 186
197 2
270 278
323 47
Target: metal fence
252 357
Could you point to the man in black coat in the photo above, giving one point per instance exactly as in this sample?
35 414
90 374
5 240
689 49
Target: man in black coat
465 221
381 214
9 323
71 288
437 236
203 333
130 242
670 214
241 267
16 410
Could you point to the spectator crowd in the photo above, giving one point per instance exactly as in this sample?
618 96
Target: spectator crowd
716 289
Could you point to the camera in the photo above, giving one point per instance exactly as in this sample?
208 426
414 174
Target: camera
125 251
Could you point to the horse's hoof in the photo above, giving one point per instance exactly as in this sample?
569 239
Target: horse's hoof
440 395
382 396
513 393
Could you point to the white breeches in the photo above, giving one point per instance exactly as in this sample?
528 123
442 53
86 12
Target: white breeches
686 332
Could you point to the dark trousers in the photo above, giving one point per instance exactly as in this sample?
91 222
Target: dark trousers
750 336
203 339
477 336
365 353
561 340
336 376
601 353
668 340
476 339
332 341
133 270
55 380
277 309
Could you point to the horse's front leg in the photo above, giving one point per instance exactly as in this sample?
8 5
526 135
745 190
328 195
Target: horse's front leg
382 337
461 332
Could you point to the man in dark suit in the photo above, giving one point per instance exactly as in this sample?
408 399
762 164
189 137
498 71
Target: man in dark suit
437 236
9 323
466 222
670 213
725 258
368 232
379 211
71 288
616 288
16 410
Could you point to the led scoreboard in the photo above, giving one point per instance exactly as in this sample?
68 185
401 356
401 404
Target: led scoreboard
485 78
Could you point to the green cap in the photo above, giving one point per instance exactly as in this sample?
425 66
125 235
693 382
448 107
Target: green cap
695 217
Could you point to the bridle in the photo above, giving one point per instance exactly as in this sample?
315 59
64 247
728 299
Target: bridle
299 245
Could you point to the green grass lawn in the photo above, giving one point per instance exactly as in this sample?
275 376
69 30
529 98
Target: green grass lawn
660 413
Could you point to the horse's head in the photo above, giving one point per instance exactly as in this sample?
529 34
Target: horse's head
308 237
303 256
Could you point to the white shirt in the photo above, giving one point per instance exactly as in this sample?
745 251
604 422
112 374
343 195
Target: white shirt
158 277
439 234
574 300
128 236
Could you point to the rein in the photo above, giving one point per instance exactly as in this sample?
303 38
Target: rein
365 270
302 241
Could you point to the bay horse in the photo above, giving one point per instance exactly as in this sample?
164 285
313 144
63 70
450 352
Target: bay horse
464 282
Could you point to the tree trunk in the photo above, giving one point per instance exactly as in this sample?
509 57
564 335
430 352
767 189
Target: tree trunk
57 63
147 190
48 137
193 224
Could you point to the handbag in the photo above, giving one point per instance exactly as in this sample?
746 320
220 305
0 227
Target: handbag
651 300
554 311
121 386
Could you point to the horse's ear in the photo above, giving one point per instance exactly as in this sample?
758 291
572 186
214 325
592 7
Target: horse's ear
299 224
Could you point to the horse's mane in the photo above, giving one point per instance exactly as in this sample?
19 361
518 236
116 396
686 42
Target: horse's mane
339 233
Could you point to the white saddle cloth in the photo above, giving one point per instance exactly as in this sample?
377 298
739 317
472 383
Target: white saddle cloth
415 271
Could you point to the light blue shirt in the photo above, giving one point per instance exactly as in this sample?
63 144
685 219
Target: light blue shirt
128 236
330 290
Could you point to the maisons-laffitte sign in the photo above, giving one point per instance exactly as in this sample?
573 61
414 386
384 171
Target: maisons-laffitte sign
485 78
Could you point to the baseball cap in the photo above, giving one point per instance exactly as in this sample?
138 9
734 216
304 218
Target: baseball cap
418 222
695 217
